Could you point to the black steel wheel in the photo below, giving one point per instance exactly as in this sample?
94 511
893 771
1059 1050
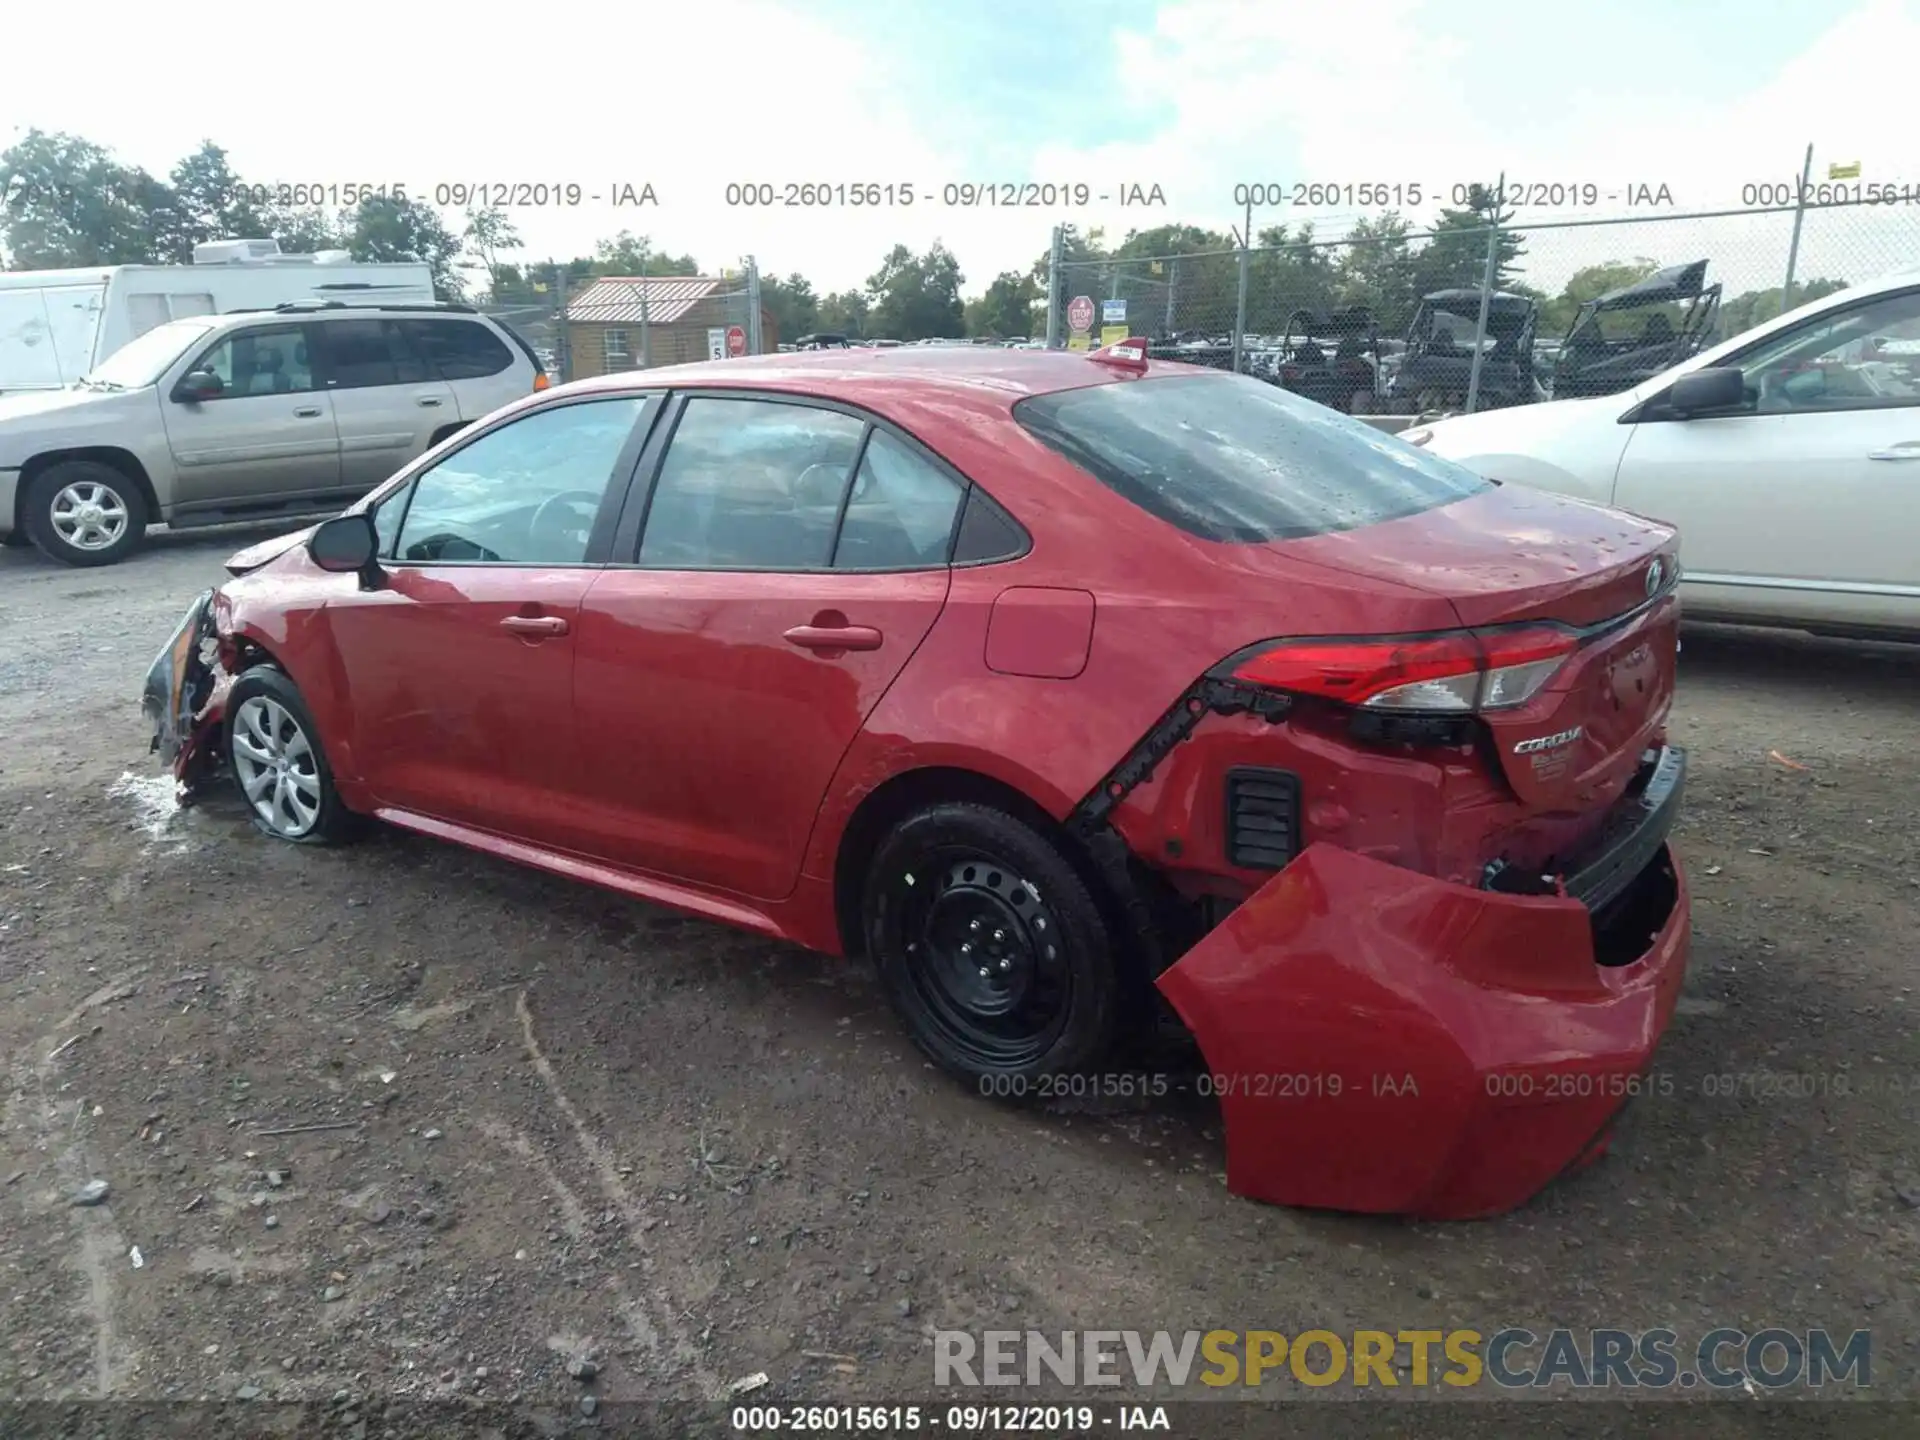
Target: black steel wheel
990 947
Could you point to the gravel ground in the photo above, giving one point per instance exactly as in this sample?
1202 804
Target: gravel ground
528 1123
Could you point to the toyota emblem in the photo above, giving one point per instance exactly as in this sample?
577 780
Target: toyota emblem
1656 572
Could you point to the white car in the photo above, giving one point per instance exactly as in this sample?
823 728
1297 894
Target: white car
1789 457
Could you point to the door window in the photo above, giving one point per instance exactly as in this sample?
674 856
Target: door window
260 362
363 353
1864 358
901 512
525 494
750 485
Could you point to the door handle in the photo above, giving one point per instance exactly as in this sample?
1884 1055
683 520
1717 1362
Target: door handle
308 412
1905 450
834 637
535 624
426 401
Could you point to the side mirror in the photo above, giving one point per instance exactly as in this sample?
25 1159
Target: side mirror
1707 391
198 385
345 545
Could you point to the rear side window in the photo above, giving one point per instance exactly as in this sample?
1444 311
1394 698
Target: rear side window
458 349
362 353
1233 459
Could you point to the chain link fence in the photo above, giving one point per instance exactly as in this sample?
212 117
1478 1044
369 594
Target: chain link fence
1388 321
597 325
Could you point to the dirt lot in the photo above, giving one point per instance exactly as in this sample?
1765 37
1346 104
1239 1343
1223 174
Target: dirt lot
536 1121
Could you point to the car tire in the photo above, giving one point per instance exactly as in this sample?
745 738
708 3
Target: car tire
83 512
275 757
991 949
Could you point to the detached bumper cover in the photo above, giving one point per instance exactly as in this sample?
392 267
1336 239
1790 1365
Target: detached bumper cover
185 692
1385 1042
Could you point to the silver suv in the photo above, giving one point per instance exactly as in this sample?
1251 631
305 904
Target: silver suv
250 415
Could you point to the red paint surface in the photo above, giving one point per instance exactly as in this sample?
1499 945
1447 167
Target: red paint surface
680 743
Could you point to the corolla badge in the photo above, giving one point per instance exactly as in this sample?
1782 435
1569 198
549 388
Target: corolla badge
1656 572
1549 742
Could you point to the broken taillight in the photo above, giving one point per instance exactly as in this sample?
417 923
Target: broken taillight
1459 672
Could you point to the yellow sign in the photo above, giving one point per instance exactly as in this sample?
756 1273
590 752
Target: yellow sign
1155 267
1849 171
1112 334
1079 342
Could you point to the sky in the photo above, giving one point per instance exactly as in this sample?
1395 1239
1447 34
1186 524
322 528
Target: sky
1193 97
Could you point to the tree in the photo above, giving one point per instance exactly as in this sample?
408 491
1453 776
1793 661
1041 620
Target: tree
792 304
1456 255
385 229
1377 271
627 254
1755 307
65 201
1006 310
1590 283
844 312
1285 276
490 233
917 297
207 203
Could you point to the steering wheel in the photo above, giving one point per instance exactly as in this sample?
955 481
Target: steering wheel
820 477
552 504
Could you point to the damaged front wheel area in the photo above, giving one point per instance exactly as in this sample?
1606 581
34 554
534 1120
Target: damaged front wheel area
274 754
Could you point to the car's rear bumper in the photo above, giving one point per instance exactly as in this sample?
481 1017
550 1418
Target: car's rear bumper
1385 1042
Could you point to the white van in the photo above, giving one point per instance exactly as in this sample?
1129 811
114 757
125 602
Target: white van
56 325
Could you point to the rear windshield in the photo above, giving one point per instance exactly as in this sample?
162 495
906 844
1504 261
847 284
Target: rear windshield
1229 458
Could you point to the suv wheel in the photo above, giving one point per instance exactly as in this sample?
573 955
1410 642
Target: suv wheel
82 512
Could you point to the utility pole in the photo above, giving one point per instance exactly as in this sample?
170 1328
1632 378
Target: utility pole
1486 295
1053 286
1799 215
563 346
646 306
754 337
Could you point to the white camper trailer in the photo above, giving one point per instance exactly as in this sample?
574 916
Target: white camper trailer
56 325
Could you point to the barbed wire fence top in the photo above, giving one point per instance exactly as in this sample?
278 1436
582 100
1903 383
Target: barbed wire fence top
1366 287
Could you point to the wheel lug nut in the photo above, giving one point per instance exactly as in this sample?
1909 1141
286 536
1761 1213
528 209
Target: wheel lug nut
999 936
985 972
974 927
1006 965
966 949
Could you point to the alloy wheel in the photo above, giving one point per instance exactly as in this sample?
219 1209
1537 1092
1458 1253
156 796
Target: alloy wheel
277 766
89 516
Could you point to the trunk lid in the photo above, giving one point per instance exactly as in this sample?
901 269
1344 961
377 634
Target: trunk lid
1508 556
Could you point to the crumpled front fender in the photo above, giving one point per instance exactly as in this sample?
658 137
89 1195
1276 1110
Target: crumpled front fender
1381 1041
184 696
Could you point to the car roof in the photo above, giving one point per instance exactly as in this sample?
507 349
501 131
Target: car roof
980 379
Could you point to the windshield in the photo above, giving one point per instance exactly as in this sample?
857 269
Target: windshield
1229 458
143 360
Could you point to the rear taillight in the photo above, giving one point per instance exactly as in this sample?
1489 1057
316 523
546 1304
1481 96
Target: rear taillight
540 382
1458 673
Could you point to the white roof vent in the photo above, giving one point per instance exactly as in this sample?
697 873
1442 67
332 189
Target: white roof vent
228 252
332 257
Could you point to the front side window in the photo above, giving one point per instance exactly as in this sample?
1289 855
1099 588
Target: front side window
1228 458
525 494
750 485
1863 358
261 362
901 512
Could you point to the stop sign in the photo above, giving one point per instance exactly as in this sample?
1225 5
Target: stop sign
736 341
1080 313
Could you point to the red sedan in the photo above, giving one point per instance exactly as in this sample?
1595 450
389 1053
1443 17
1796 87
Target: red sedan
1042 682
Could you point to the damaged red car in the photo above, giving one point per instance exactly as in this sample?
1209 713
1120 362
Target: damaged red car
1055 687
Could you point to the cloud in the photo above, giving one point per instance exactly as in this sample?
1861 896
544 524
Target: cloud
692 99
